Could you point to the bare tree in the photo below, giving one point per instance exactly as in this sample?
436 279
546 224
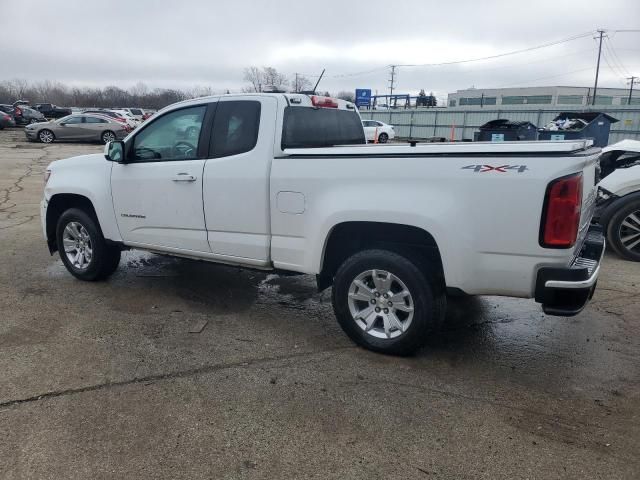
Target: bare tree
274 78
254 76
300 83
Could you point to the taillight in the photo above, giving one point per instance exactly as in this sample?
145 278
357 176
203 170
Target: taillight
121 120
323 102
18 111
561 213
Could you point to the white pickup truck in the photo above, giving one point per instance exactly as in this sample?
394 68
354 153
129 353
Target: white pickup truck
286 182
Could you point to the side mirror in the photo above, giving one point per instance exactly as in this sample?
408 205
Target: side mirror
114 151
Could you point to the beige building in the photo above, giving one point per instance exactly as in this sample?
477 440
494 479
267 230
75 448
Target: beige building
537 97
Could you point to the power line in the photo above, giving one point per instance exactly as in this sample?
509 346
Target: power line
609 45
491 57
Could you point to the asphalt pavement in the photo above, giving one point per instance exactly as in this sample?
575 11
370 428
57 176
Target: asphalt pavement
181 369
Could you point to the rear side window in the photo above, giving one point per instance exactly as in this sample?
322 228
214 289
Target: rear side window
95 120
136 111
235 127
320 127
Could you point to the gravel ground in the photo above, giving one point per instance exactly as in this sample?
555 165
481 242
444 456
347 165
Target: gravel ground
180 369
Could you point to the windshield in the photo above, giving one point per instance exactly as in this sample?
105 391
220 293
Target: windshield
321 127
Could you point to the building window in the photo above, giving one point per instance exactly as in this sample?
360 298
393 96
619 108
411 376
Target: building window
600 100
452 103
634 101
530 100
570 99
478 101
513 100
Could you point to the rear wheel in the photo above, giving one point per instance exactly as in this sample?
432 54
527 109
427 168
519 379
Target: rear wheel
108 136
383 138
623 230
83 249
46 136
388 302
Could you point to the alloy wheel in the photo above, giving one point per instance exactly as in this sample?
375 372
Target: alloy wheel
629 232
45 136
77 245
380 304
108 137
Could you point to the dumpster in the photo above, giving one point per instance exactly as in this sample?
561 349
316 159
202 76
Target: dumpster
574 125
503 130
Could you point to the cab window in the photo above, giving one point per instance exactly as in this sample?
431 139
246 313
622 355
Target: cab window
235 127
173 136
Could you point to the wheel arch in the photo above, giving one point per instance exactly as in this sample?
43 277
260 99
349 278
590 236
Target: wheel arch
57 205
618 203
349 237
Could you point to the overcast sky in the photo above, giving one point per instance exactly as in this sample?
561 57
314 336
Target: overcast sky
168 43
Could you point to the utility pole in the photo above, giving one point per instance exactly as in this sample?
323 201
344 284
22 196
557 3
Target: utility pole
595 86
392 81
295 87
632 79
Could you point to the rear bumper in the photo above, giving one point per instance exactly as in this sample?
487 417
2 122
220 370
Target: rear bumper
565 291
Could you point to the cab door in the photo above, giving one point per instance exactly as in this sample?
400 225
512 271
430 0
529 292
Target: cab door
157 192
236 179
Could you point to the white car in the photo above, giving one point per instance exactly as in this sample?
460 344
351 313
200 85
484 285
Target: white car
130 119
374 129
286 182
618 203
137 113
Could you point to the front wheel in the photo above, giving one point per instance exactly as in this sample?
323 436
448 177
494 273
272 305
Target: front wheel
623 230
83 249
387 302
46 136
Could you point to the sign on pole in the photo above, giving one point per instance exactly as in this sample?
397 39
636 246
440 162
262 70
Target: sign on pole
363 97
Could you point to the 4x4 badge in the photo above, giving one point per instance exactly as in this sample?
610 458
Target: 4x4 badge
500 169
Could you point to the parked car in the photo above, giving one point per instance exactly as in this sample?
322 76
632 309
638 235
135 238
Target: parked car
52 111
83 127
7 108
148 114
6 120
137 113
377 222
383 131
109 113
131 121
24 115
618 205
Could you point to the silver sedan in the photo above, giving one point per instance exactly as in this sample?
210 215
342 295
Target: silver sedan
80 127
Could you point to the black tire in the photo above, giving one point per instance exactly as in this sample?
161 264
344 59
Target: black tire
45 139
427 292
104 259
383 138
105 134
616 228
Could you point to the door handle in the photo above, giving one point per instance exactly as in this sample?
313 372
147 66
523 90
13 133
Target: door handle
184 177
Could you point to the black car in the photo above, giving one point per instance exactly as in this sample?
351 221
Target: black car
25 115
52 111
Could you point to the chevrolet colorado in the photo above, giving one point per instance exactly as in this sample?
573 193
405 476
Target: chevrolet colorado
287 182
